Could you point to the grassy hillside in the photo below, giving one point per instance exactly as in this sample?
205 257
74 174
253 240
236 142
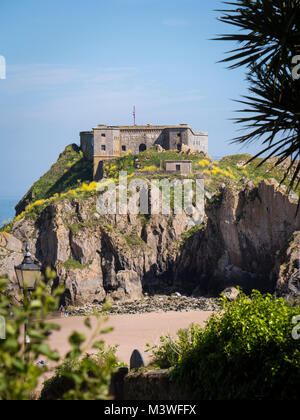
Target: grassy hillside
70 170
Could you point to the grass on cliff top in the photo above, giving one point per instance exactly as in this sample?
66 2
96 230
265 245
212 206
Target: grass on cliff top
230 170
238 164
148 161
70 170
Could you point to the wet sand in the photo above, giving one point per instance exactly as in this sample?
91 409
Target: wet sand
130 331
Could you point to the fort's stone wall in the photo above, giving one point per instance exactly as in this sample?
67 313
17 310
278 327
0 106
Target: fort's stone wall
152 386
87 144
138 140
106 142
176 137
198 141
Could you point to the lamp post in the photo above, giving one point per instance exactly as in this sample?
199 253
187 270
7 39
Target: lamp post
28 276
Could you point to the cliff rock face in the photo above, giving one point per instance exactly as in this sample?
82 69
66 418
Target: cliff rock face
243 240
245 233
95 255
287 265
10 254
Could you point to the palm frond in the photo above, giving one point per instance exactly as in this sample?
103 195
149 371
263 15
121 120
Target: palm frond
267 40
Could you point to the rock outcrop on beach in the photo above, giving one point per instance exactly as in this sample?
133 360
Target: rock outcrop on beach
147 304
250 238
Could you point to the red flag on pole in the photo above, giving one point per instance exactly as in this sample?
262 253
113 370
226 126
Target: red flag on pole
134 114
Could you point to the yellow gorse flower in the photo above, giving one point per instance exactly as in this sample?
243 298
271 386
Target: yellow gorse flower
92 187
148 169
204 163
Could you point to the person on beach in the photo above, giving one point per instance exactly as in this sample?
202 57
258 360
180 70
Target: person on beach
62 311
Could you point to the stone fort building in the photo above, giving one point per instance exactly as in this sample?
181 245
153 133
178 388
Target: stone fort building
108 142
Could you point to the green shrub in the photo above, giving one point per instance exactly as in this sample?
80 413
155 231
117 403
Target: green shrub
19 373
190 233
171 350
246 351
84 379
72 264
134 240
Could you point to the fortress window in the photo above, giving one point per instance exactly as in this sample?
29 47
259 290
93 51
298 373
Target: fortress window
123 148
179 135
142 148
103 147
178 167
103 135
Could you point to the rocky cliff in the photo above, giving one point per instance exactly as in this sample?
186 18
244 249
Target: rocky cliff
95 255
246 234
250 238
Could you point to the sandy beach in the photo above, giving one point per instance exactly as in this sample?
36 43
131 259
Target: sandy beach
130 331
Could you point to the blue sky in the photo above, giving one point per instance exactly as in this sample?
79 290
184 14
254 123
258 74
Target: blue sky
74 64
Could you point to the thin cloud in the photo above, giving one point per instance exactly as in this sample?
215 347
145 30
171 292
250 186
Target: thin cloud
41 77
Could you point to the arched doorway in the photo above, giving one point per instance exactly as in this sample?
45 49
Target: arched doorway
142 148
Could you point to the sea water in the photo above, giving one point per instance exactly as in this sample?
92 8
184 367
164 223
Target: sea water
7 209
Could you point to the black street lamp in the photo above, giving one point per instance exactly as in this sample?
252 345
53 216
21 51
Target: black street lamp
28 275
